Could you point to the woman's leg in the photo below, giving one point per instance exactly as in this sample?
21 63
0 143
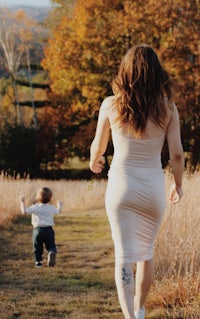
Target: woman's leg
125 287
143 281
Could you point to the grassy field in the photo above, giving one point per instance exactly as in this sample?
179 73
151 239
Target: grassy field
82 283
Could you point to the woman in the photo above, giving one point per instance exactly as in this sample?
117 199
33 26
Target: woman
140 115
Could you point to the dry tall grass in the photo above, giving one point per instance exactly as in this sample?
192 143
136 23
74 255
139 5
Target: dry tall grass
177 257
179 236
75 195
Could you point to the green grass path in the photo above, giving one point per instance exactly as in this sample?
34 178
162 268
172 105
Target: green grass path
81 285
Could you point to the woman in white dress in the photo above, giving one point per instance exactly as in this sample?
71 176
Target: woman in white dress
139 116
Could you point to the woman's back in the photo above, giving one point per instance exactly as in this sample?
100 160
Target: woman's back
151 131
137 154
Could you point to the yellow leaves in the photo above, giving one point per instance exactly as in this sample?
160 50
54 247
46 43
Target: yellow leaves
24 25
87 48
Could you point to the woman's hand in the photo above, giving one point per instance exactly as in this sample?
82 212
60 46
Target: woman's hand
98 165
175 194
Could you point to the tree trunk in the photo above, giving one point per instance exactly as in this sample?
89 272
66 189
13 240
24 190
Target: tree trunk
19 115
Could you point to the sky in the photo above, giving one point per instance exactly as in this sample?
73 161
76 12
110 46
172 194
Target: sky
35 3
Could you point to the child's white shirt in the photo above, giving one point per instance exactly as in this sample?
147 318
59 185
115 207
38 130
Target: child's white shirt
42 214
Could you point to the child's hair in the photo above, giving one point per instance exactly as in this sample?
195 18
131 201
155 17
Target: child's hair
44 195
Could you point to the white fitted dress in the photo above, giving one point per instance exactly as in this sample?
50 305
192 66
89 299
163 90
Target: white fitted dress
135 196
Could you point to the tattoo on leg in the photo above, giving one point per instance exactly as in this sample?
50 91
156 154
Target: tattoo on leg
126 276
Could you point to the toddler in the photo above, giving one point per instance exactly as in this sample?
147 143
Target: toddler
42 220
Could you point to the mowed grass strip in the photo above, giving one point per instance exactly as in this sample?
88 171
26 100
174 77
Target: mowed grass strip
81 285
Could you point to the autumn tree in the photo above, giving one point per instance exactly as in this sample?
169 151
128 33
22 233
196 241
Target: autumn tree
11 51
87 46
16 43
176 28
86 49
19 142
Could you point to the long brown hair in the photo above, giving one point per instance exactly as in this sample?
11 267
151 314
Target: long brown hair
140 88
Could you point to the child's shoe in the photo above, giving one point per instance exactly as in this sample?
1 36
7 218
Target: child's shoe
51 259
38 264
140 314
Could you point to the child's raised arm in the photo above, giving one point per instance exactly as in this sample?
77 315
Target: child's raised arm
22 204
59 205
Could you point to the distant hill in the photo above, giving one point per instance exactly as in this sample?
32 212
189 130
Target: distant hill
37 13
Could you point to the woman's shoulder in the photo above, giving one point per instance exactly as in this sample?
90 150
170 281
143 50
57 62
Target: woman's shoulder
107 103
171 111
170 105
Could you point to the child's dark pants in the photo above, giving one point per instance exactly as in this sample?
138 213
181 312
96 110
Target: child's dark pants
43 235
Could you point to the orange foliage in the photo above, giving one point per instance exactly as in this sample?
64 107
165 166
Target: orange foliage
86 48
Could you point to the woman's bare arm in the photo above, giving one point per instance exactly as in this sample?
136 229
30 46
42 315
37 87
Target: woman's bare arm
100 142
176 156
